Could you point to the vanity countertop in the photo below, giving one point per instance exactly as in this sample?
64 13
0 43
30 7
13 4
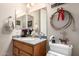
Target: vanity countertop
29 40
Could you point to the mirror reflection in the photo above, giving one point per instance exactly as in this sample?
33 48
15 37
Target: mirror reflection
33 23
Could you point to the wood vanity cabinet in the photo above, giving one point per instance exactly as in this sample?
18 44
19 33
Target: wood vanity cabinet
25 49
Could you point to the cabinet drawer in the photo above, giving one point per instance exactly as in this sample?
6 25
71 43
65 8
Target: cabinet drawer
24 54
15 51
24 47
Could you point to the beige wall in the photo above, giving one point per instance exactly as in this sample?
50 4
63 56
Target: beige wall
7 10
72 35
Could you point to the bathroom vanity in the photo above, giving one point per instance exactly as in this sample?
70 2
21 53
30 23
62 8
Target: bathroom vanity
29 46
26 45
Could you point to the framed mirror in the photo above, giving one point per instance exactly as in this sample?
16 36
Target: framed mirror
36 19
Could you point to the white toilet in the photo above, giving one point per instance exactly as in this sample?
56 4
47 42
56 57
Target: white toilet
59 50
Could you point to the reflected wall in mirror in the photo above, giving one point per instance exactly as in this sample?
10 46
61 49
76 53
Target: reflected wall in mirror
20 22
35 20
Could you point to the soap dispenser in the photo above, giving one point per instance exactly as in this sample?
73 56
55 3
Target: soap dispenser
53 40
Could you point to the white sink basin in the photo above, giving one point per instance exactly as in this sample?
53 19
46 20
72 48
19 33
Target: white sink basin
25 38
30 40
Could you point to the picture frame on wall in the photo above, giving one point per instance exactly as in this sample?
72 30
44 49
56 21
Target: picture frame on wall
18 22
30 21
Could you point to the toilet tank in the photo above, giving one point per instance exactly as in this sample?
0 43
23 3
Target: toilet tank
61 48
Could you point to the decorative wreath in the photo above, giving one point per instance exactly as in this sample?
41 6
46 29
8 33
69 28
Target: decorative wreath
62 14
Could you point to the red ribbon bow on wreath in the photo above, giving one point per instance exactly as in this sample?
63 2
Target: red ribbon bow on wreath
60 13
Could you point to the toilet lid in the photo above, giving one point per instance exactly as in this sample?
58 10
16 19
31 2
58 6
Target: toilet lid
51 53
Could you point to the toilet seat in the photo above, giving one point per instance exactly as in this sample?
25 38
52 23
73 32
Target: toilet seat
51 53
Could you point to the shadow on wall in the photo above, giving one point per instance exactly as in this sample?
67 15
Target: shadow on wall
7 28
8 25
6 42
6 39
9 50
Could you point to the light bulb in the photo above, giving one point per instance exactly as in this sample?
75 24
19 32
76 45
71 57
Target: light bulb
28 5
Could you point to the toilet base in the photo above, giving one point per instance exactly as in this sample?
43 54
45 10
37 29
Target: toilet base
51 53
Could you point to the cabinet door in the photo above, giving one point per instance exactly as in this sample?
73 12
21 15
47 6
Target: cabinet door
22 53
15 51
40 49
24 47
